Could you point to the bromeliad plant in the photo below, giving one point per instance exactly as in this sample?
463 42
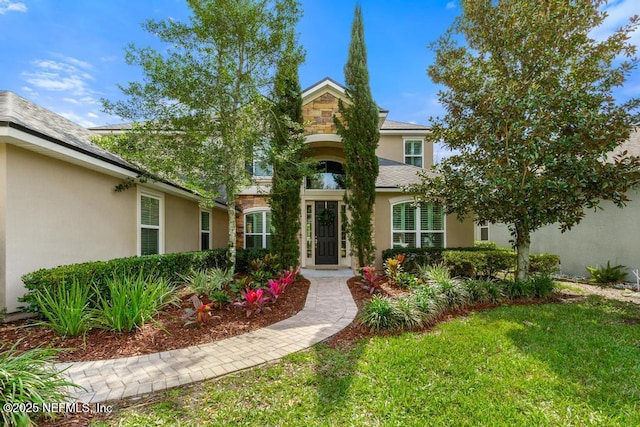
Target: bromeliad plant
370 279
201 312
253 301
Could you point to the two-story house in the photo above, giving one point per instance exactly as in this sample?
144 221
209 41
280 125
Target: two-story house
403 150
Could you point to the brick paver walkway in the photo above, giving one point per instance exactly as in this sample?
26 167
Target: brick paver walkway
329 308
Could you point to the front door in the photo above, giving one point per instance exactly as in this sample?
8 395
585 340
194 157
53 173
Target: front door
327 233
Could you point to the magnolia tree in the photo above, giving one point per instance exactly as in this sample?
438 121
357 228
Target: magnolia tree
531 116
201 107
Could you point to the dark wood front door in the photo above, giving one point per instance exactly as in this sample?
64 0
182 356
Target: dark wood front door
326 233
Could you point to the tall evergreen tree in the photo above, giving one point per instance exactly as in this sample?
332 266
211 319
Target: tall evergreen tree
358 127
287 157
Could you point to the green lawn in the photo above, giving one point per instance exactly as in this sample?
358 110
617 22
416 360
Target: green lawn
553 364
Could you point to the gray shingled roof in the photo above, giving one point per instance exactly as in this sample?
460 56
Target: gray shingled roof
19 113
395 174
393 125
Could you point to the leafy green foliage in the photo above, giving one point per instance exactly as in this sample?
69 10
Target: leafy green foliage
358 127
380 313
544 264
480 263
408 314
607 274
437 273
131 301
531 115
201 99
28 378
287 156
483 291
66 309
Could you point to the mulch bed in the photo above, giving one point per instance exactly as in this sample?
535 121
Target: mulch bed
167 332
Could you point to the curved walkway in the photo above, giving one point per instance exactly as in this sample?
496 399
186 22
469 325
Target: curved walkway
329 308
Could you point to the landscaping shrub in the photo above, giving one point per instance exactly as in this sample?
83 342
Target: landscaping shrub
415 257
435 273
544 264
542 286
168 267
206 282
66 309
479 263
452 293
131 301
483 291
380 313
607 274
28 378
408 314
430 304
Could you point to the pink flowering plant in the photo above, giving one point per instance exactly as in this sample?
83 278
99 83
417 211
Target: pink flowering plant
201 312
276 288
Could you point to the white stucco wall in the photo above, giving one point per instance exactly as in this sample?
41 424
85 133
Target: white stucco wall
611 234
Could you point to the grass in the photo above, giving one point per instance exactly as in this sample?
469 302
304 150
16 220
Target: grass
553 364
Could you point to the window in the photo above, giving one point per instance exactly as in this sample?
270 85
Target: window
205 230
413 152
417 226
257 229
329 176
483 231
150 224
260 166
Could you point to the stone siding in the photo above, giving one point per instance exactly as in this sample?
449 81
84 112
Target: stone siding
320 113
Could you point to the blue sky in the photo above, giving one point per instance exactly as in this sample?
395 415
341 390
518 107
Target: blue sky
66 55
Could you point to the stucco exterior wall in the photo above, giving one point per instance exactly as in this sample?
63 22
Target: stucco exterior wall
3 208
605 235
459 234
182 225
58 213
219 228
392 147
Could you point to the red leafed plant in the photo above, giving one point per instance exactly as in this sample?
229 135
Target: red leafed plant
254 300
370 278
202 312
276 288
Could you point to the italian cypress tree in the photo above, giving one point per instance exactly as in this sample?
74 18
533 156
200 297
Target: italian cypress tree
287 157
358 127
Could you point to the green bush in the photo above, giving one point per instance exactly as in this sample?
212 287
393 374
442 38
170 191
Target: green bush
607 274
66 309
380 313
408 314
542 286
436 273
452 293
485 245
168 267
479 263
131 301
206 282
430 304
544 264
29 377
483 291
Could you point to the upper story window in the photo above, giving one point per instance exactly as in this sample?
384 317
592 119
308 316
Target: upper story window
417 226
257 229
413 152
329 176
150 224
260 165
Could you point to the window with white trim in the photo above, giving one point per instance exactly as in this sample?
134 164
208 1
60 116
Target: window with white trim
150 224
483 231
260 166
257 229
417 226
413 149
205 230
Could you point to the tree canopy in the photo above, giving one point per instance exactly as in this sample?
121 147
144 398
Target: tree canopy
200 107
531 116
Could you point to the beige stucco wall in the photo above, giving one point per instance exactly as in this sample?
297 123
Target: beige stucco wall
459 233
58 213
182 225
392 147
219 228
3 187
605 235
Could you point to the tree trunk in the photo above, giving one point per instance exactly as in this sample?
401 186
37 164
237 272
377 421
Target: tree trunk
523 241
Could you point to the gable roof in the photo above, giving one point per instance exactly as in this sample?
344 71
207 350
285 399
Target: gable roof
393 125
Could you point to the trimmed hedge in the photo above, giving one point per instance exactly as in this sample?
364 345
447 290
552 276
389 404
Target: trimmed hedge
471 261
167 266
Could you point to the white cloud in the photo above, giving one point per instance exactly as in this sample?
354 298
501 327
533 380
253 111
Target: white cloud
92 115
78 119
618 14
11 6
451 5
69 75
